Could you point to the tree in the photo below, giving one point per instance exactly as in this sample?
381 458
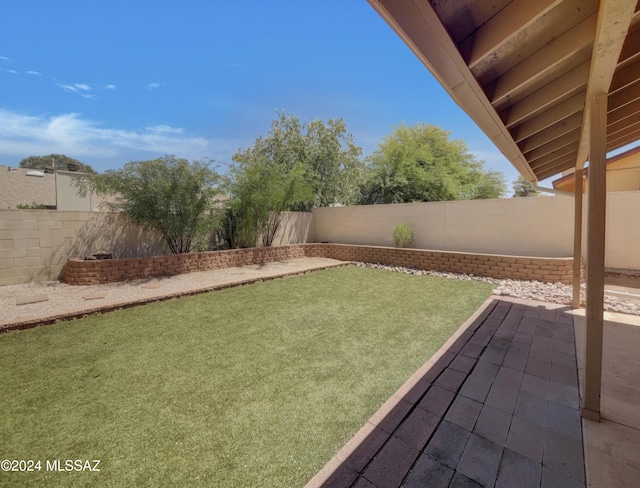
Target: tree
59 160
296 166
485 184
332 163
329 158
170 195
421 164
522 188
262 192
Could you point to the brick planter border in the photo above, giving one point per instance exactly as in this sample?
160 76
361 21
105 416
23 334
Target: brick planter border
550 270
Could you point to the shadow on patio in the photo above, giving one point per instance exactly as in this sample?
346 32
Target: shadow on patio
498 405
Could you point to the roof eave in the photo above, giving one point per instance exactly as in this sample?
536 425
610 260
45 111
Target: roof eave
419 27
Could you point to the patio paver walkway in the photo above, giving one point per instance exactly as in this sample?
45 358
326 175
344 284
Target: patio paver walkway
497 406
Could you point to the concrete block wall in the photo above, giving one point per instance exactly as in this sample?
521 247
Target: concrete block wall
80 272
541 226
35 244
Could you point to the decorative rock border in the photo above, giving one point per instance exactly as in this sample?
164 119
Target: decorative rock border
549 270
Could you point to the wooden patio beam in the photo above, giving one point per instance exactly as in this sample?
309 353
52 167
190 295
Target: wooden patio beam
546 97
577 238
502 27
543 121
553 158
624 77
631 48
590 407
624 97
559 166
544 61
629 110
622 129
624 137
614 17
552 132
567 139
618 143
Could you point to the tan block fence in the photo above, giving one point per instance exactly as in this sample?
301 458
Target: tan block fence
35 244
83 272
483 236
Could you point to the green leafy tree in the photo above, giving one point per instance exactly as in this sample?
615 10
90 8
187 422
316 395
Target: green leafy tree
262 190
484 184
170 195
522 188
332 163
421 164
60 161
296 166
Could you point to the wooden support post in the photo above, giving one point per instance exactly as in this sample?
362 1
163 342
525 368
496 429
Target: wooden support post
595 257
577 238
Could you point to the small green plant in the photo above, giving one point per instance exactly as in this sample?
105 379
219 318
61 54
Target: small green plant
30 206
402 235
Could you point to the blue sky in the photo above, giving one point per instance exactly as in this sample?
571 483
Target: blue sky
110 82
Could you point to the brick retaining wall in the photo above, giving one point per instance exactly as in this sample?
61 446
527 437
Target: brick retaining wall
549 270
81 272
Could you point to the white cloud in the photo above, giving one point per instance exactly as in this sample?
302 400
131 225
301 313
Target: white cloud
23 135
12 71
152 86
83 89
75 87
4 58
164 129
34 73
69 88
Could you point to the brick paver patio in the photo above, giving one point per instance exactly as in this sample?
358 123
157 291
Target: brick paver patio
497 407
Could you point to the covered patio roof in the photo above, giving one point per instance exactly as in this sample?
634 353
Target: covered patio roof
525 71
553 83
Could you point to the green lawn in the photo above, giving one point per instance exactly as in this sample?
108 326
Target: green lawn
252 386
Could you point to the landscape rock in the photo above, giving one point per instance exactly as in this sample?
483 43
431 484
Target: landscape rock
527 290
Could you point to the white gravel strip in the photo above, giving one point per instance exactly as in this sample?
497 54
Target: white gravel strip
527 290
62 298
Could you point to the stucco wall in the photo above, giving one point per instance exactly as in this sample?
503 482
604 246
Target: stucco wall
623 230
296 228
35 244
539 226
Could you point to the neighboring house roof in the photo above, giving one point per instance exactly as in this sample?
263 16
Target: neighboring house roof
628 161
18 188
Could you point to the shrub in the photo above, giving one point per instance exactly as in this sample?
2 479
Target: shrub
173 196
402 235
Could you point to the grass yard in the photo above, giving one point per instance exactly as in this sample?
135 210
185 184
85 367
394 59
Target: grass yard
252 386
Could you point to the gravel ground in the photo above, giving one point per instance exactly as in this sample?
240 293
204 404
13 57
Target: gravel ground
62 298
528 290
